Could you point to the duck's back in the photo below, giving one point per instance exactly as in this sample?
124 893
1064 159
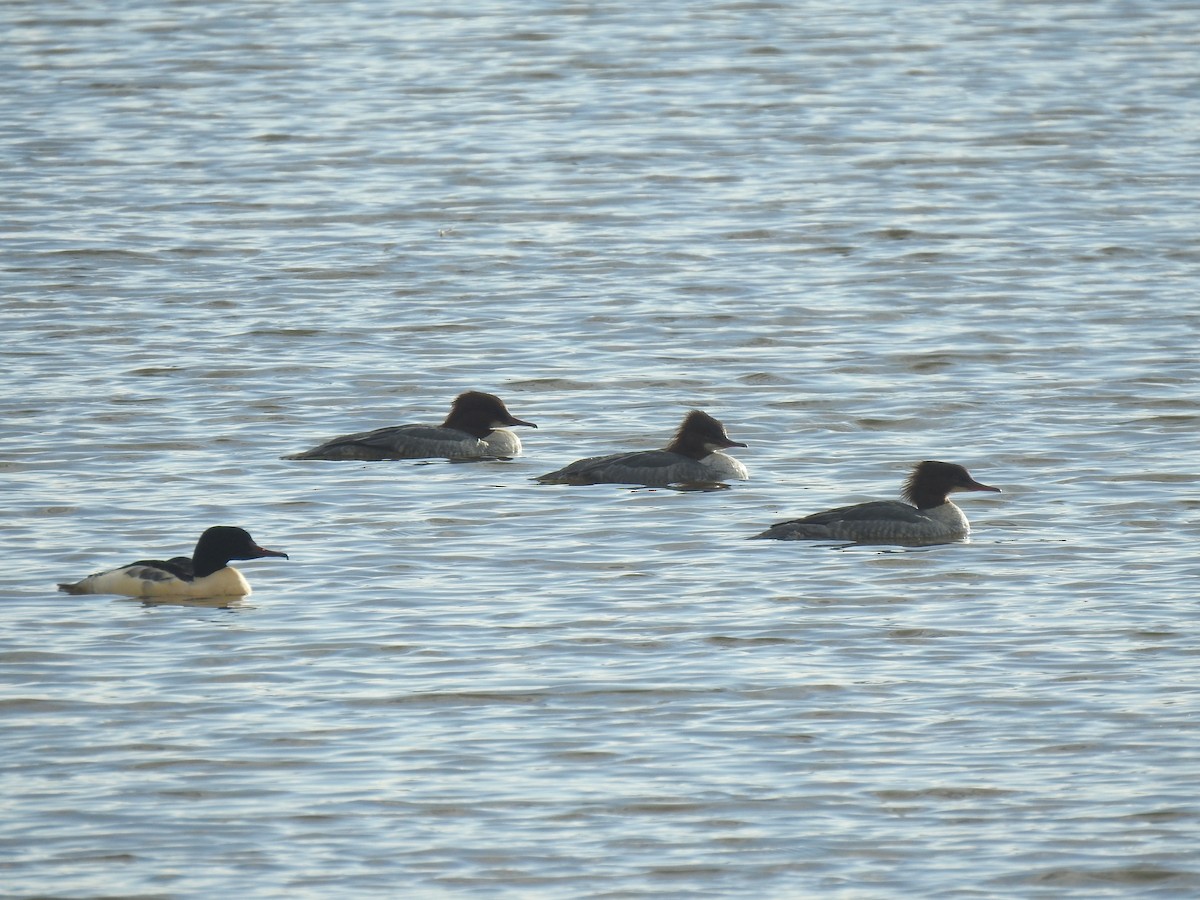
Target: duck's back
161 578
655 468
880 521
404 442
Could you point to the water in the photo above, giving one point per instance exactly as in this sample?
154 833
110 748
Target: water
859 234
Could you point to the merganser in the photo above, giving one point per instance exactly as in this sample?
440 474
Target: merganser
473 430
693 456
206 573
930 519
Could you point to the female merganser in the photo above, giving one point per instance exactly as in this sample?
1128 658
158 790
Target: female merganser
693 456
473 430
931 518
206 573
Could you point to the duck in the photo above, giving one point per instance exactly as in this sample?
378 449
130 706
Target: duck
692 457
928 516
476 428
206 573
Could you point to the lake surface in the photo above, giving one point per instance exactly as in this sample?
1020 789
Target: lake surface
860 234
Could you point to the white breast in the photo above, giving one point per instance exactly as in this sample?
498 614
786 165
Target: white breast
500 442
950 521
725 467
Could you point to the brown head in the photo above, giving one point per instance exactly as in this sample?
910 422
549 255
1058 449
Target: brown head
480 414
931 482
699 435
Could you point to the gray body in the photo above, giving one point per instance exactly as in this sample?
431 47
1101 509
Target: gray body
655 468
416 442
877 522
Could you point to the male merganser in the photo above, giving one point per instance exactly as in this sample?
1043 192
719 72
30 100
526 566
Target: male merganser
206 573
473 430
930 519
693 456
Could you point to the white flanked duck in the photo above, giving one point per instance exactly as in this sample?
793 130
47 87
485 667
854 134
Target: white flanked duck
927 518
693 457
206 573
476 428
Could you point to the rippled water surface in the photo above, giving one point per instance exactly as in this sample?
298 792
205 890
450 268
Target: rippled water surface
861 234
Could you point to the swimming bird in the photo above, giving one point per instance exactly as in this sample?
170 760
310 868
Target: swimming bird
206 573
475 429
927 518
693 456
